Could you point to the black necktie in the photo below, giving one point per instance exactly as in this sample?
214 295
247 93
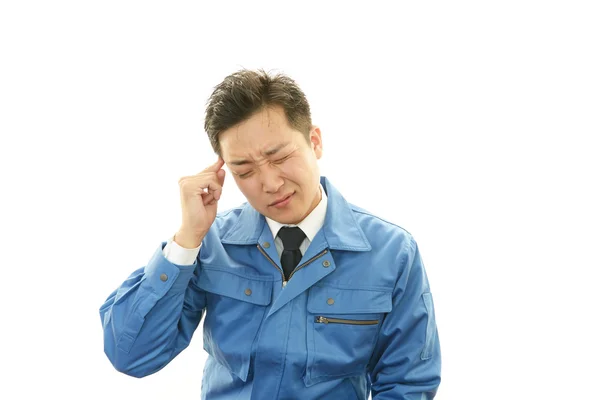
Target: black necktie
291 237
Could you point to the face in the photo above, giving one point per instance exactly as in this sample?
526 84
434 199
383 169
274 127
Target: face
273 165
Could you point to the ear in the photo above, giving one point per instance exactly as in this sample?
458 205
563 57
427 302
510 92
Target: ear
316 142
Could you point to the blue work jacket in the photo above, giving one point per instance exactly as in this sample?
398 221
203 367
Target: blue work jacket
356 317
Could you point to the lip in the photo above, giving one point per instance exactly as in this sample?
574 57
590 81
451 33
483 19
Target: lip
282 201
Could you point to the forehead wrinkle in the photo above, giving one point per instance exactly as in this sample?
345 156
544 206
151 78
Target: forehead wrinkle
263 154
267 121
238 160
276 148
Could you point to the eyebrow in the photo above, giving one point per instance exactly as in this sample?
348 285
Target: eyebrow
267 153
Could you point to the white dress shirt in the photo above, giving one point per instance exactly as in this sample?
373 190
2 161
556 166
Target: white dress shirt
309 225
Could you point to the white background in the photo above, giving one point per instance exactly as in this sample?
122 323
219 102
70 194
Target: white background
472 124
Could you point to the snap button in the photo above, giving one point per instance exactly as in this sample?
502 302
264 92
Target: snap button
326 263
330 301
266 245
163 277
248 292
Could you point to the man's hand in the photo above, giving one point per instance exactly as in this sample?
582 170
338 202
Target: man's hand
200 194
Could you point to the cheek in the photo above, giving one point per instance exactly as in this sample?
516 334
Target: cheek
249 187
293 169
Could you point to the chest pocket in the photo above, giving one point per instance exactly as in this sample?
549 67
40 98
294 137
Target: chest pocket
342 329
235 306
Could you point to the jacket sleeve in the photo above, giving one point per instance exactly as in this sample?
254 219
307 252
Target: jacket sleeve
152 316
406 363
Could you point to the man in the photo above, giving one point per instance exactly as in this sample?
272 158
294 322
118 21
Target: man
305 295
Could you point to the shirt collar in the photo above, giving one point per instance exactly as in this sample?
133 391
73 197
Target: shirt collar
309 225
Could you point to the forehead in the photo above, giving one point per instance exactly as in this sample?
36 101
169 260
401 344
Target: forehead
263 132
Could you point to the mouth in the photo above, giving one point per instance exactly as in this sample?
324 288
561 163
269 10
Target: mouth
282 200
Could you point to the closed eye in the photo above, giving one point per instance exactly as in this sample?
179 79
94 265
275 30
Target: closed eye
280 160
247 174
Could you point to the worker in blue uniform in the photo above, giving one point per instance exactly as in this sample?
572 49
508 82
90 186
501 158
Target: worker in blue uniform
303 295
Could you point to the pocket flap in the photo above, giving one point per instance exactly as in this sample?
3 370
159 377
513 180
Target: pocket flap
325 299
251 289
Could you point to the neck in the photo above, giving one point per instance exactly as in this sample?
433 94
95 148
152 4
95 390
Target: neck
314 204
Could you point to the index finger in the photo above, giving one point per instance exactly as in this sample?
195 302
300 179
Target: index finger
216 166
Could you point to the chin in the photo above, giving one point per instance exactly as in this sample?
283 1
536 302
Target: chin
287 217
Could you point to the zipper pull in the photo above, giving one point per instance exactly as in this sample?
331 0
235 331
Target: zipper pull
321 320
284 283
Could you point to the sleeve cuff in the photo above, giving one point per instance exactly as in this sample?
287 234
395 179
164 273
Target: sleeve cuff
162 275
180 255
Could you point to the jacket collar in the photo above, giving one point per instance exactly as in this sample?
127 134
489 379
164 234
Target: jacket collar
340 229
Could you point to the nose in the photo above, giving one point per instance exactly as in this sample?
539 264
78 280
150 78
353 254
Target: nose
271 178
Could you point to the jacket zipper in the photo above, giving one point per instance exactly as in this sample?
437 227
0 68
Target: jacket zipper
327 320
284 282
321 254
272 262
